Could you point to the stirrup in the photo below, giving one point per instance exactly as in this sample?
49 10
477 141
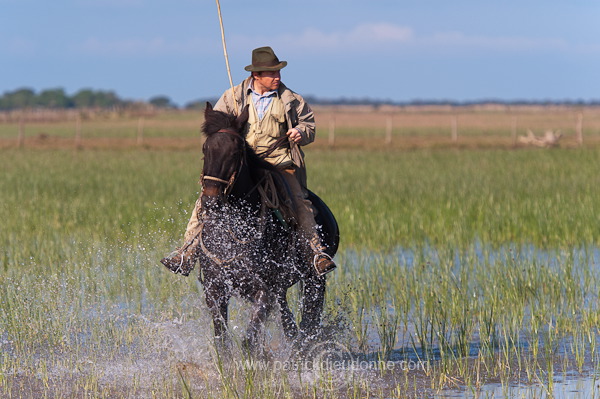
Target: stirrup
182 267
322 256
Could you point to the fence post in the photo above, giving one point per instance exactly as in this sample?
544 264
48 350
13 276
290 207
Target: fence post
514 130
579 129
140 131
78 131
332 130
454 128
21 137
388 130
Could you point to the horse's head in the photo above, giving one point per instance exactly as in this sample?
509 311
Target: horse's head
224 151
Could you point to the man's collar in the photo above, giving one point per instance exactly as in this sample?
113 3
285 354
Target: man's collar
265 94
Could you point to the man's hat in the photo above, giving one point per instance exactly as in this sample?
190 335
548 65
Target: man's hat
264 59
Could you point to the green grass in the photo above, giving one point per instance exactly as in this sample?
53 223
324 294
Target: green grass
111 125
454 198
439 250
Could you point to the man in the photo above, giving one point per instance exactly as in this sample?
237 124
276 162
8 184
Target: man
275 111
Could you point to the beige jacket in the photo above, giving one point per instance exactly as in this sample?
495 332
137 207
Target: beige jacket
298 114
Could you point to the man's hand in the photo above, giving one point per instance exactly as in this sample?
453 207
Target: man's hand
294 134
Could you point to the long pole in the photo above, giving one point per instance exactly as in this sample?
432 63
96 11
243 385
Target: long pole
226 57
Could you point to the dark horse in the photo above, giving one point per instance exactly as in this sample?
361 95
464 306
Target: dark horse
246 248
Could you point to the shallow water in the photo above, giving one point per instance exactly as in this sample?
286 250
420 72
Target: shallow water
565 387
143 351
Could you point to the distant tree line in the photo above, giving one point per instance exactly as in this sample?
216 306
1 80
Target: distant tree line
84 98
88 98
416 102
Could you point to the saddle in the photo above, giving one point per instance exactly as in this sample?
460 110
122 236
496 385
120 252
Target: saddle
286 213
277 197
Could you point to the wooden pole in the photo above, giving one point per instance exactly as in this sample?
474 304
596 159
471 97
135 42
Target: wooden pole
388 130
140 131
21 138
514 130
332 131
78 132
454 129
579 129
226 56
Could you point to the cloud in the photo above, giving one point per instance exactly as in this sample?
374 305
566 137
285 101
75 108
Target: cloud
136 47
588 48
375 37
515 43
361 37
381 33
110 3
365 38
18 46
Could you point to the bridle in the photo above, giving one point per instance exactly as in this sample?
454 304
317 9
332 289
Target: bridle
228 183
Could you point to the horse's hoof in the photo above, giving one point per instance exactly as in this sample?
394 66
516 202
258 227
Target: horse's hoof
303 344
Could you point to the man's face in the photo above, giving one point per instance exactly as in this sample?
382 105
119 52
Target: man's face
266 81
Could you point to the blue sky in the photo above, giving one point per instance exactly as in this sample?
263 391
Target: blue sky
380 49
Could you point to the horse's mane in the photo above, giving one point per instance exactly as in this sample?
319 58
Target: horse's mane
258 167
217 120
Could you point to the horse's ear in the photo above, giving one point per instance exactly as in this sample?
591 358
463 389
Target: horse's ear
242 119
208 108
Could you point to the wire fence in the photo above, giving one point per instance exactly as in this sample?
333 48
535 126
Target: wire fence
385 127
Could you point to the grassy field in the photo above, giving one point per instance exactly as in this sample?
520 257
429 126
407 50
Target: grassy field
481 264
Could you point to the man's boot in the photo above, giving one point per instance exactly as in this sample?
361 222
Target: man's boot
323 264
178 263
183 259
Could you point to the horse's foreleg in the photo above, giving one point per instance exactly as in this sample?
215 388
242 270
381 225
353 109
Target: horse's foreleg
312 306
261 308
217 299
290 328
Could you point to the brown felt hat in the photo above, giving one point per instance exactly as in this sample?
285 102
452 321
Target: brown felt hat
264 59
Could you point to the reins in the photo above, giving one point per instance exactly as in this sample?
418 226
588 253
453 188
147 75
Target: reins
228 183
277 144
213 257
265 186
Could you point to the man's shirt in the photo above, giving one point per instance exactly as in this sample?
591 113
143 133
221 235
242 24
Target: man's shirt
262 101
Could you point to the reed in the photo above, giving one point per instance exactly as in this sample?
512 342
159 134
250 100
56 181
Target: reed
480 263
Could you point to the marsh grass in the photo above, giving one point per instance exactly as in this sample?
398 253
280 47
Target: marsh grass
484 264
